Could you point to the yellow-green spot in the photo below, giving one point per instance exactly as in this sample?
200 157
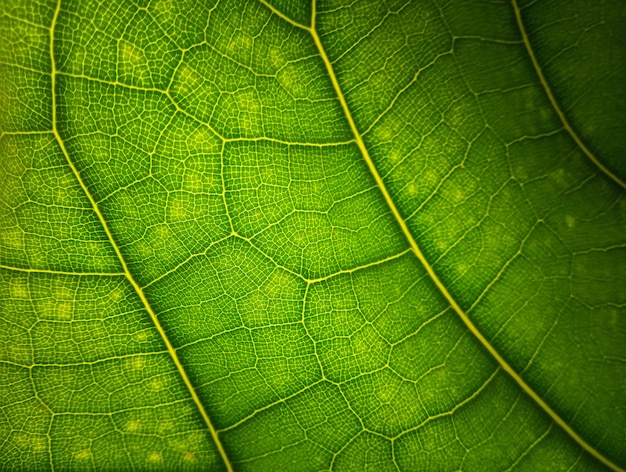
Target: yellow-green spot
240 43
193 181
280 283
133 426
83 455
18 288
187 79
12 238
156 385
155 457
137 363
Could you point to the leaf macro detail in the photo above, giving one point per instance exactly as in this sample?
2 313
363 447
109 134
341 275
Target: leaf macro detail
327 235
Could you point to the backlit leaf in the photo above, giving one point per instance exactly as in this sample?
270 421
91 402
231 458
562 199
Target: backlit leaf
284 235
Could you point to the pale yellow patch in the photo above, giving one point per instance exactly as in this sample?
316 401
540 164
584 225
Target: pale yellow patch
558 176
47 308
247 101
280 282
189 457
177 210
64 311
165 426
18 289
461 267
126 203
276 57
131 54
188 79
428 396
225 261
83 455
162 232
144 250
248 123
186 410
133 426
59 311
255 305
12 238
93 248
156 385
193 181
386 393
496 236
41 142
99 153
116 294
360 346
384 133
271 176
430 177
137 363
66 181
62 292
290 77
570 221
98 331
456 195
140 337
394 156
61 197
300 238
133 62
441 245
155 457
39 444
37 258
258 215
240 43
165 10
456 117
200 139
412 188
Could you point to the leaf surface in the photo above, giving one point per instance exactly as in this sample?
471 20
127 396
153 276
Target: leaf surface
290 236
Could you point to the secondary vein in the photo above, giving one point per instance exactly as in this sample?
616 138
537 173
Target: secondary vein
555 105
429 269
170 348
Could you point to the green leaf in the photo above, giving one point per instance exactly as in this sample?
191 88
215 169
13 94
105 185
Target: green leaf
250 235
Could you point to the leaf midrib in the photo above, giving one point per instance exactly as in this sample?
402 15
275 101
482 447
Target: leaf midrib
420 256
170 348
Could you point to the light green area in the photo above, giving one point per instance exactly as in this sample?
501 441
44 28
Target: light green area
193 185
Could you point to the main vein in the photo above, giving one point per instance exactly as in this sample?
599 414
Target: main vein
170 349
429 269
555 105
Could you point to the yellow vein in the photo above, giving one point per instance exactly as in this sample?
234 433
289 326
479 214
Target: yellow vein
496 355
554 103
285 17
359 268
171 350
61 272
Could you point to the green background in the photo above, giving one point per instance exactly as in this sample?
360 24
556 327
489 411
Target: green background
199 270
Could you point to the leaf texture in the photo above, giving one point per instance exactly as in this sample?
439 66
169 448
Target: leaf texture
283 235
